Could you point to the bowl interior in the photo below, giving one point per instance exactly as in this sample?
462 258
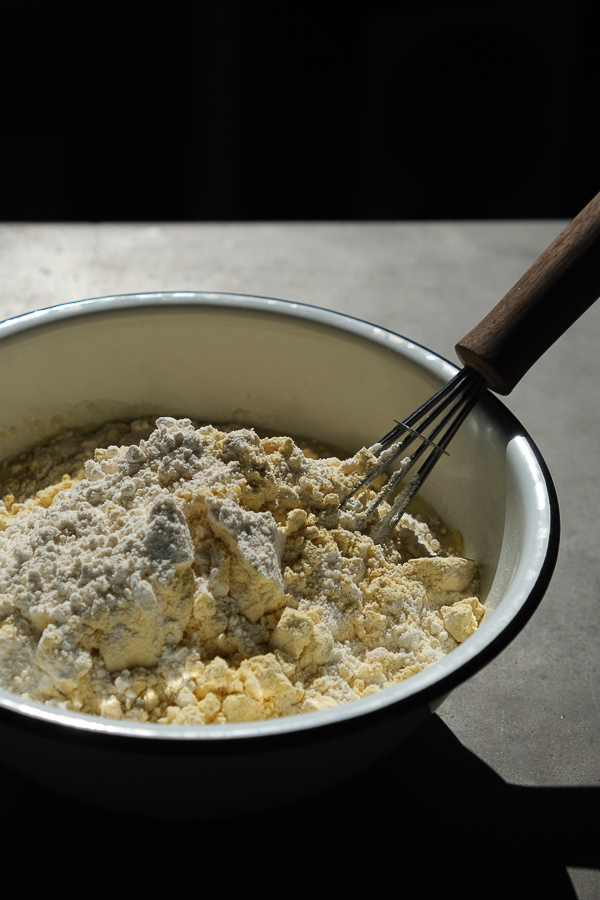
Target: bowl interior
289 369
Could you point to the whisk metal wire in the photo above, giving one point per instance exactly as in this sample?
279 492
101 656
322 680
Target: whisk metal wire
556 289
443 413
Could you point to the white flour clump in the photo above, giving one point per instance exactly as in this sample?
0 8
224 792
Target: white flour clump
195 575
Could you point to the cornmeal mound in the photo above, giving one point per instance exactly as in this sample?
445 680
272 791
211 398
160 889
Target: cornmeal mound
196 575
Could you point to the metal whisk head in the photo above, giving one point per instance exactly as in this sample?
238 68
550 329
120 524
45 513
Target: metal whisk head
432 425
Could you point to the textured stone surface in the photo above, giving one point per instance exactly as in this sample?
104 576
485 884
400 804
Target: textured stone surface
532 715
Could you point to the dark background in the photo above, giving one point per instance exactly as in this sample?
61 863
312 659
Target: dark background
152 110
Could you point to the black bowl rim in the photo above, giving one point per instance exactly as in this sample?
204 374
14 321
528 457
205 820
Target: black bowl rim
59 725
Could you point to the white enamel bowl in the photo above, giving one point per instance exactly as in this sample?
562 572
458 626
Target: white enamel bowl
288 368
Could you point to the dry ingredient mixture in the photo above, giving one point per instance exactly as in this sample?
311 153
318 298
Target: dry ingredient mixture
167 573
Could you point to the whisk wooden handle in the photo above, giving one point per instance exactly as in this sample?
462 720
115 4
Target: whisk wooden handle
560 285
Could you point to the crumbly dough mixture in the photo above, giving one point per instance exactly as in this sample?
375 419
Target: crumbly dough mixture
196 575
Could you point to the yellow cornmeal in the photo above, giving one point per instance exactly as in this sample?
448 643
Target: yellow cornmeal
196 575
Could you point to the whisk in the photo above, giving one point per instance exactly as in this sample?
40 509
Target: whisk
560 285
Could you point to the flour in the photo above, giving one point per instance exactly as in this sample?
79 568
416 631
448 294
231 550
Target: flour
196 575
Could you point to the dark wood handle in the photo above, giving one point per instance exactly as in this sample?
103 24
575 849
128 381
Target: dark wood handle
560 285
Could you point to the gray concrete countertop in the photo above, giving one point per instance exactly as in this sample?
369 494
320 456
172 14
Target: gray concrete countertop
533 715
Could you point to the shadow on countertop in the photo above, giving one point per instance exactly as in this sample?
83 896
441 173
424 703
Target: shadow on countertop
428 818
